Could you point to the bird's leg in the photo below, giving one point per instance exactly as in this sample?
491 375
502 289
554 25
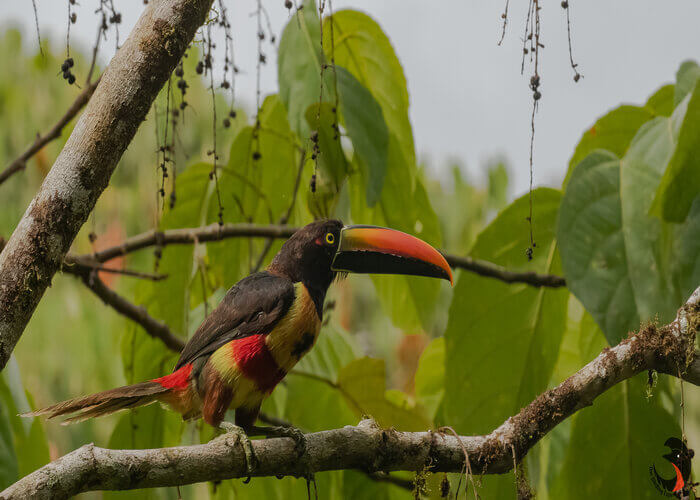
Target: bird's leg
251 461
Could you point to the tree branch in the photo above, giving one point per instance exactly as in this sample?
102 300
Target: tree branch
138 314
214 232
83 169
42 140
366 447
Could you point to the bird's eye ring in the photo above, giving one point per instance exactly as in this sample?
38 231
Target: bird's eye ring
330 238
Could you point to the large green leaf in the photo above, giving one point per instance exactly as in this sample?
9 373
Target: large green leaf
613 131
617 259
409 210
686 78
502 340
480 393
613 444
254 190
299 67
430 376
331 157
362 383
361 47
680 184
313 404
367 130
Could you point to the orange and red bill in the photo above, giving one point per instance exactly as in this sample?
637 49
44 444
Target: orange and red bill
379 250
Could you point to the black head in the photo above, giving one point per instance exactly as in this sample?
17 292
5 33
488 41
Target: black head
307 256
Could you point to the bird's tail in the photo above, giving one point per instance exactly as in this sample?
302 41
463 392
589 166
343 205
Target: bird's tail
121 398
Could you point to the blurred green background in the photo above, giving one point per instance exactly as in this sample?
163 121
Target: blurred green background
413 353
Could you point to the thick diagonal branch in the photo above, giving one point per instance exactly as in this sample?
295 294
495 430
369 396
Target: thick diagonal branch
214 232
82 170
669 349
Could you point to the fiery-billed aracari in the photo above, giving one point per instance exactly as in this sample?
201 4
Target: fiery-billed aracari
263 326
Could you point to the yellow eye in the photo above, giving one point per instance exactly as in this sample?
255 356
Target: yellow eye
330 238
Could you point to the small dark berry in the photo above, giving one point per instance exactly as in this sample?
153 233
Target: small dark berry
577 77
92 237
200 68
536 96
288 4
273 39
183 104
565 5
66 74
227 123
263 58
225 84
71 79
256 155
314 136
232 114
73 18
179 71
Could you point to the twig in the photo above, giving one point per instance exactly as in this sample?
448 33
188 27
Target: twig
369 448
213 232
77 265
21 162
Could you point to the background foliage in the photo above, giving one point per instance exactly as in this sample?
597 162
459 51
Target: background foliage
624 229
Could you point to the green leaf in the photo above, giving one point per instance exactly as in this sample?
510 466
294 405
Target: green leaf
361 47
315 405
493 325
614 132
613 444
362 383
408 210
367 130
30 441
299 67
686 78
617 259
254 190
661 102
9 469
680 184
331 158
430 376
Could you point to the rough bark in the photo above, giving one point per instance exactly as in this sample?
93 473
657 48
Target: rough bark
669 349
82 170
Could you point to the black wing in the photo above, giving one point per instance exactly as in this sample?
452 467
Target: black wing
252 306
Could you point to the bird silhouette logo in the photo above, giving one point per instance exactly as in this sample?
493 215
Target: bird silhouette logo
680 458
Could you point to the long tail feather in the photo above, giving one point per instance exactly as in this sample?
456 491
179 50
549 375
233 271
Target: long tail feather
104 403
121 398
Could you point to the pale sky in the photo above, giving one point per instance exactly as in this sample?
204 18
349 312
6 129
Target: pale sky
468 99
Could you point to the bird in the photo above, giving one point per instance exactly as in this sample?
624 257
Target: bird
680 458
262 327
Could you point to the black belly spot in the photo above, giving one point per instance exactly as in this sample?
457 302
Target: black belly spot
303 345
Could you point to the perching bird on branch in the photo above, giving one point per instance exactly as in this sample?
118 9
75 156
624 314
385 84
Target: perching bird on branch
262 328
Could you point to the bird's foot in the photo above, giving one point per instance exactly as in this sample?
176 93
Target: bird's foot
251 462
283 431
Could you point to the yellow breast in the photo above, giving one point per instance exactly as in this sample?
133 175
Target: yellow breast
296 333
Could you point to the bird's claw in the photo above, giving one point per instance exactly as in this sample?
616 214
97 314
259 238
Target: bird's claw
251 462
